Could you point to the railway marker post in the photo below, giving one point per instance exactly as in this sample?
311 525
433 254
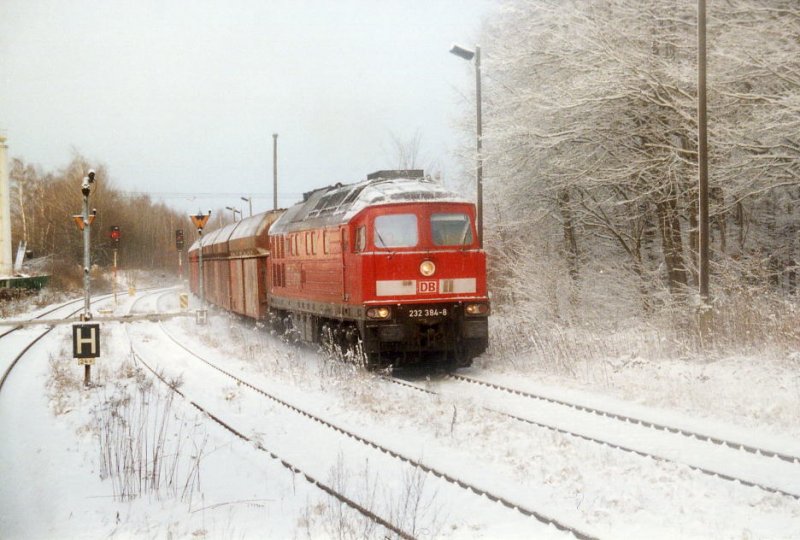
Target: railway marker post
86 346
199 220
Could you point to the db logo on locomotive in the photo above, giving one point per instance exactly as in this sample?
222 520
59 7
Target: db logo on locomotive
427 287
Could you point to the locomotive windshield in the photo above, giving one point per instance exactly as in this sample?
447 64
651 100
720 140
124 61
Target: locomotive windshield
451 229
396 231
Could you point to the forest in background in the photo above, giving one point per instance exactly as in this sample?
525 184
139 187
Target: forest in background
42 206
590 148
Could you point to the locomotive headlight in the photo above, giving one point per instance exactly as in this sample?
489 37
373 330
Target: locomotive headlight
427 268
477 309
379 313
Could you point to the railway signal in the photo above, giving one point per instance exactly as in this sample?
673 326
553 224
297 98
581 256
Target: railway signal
179 243
199 220
84 222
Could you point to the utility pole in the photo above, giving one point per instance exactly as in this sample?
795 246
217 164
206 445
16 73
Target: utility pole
702 162
274 171
480 142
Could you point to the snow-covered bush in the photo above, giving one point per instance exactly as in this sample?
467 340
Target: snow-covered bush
146 445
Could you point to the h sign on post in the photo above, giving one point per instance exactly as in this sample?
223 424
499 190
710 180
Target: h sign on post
85 342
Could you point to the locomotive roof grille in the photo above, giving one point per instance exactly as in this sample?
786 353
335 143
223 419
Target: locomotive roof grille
339 203
394 174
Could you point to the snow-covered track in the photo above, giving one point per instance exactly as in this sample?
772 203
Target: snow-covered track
17 326
455 481
633 420
286 464
66 319
716 473
36 339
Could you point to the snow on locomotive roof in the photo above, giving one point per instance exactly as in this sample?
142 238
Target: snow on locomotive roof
340 203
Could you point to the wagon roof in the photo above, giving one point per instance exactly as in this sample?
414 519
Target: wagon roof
339 203
246 236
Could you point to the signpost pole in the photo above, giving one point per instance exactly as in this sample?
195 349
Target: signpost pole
199 220
179 247
115 277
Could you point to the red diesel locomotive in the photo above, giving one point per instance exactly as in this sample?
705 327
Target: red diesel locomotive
391 263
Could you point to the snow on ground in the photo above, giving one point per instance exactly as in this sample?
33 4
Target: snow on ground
54 484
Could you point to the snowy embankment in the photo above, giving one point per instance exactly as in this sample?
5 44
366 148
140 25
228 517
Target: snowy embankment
68 473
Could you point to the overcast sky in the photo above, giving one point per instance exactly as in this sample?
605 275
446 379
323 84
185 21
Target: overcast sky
183 96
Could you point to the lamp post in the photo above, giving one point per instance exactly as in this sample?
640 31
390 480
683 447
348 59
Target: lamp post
249 201
467 54
234 210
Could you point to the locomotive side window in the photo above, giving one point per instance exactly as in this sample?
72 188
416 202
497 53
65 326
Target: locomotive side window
361 238
451 229
396 230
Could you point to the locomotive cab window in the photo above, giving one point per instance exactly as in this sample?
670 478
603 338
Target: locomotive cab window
396 231
451 229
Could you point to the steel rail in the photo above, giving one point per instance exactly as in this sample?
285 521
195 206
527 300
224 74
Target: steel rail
633 420
539 516
286 464
11 366
20 324
641 453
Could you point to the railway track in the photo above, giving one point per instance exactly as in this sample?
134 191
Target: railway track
36 339
49 311
625 422
260 446
30 344
450 479
790 458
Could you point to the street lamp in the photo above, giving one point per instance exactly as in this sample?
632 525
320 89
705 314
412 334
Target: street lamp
234 210
249 200
467 54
